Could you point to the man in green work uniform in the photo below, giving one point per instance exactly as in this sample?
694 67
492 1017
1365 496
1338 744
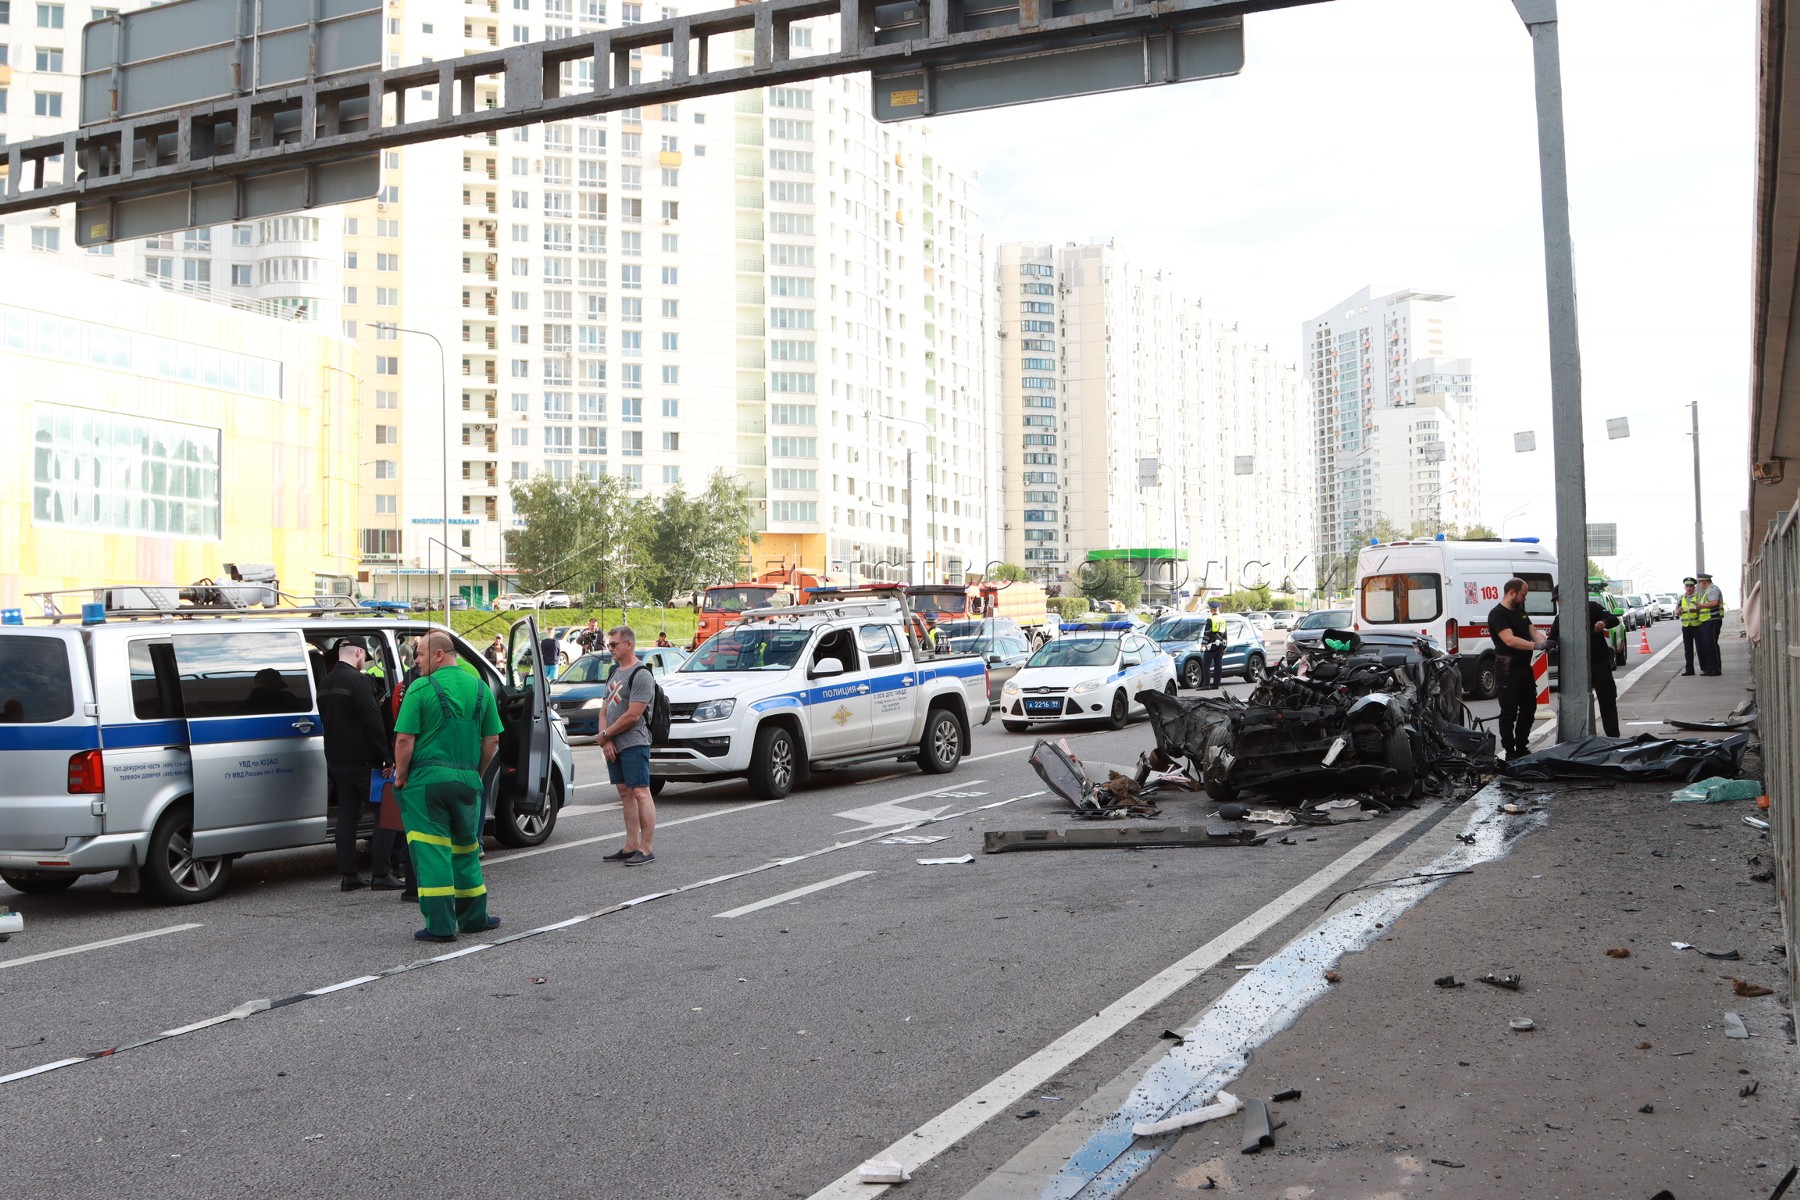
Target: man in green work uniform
447 733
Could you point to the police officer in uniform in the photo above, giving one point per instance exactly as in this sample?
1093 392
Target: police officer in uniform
1712 619
1687 610
1212 648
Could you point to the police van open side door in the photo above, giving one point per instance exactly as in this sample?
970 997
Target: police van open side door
525 711
255 741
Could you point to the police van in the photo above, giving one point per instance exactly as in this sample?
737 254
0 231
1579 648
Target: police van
161 740
1444 590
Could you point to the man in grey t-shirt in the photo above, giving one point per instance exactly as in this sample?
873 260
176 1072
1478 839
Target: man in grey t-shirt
625 740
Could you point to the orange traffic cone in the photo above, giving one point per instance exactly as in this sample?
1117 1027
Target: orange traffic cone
1643 639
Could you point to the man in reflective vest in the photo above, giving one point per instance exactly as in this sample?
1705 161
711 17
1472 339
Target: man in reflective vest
446 735
1212 648
1687 608
1712 619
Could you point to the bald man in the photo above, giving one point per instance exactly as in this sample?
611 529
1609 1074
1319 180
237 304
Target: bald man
446 735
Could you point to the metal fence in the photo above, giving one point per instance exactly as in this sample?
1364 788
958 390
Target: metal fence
1774 574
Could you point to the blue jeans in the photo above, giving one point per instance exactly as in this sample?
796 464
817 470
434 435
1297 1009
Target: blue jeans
630 767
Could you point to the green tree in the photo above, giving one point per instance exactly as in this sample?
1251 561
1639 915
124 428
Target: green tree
1009 573
1339 574
1478 530
686 542
1109 579
577 533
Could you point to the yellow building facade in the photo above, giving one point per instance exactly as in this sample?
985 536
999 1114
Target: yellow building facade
158 437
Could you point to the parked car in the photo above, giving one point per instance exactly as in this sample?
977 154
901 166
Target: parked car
1179 634
1637 610
1309 628
1282 619
1262 620
1664 606
553 598
1090 675
578 692
1004 654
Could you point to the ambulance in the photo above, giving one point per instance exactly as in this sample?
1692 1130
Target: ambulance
1444 590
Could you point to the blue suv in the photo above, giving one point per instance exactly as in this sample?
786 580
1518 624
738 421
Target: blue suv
1178 634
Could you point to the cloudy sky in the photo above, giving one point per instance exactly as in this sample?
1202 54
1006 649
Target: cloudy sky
1394 142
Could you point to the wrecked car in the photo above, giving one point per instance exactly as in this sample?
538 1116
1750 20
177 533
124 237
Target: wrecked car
1378 712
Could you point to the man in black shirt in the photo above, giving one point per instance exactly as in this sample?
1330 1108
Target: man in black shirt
356 746
1600 665
1514 641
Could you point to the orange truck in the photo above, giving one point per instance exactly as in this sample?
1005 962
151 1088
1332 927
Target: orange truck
1020 602
724 604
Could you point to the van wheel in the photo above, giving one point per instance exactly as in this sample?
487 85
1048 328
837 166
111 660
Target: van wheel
515 828
1121 712
174 874
1486 684
1190 674
37 883
772 763
941 747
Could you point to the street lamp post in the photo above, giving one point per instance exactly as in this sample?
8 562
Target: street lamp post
912 551
444 426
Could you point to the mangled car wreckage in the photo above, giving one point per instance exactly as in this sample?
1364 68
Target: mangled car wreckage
1379 713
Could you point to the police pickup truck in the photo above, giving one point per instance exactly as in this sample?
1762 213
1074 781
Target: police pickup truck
791 690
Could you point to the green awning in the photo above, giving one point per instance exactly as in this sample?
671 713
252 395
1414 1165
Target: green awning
1137 552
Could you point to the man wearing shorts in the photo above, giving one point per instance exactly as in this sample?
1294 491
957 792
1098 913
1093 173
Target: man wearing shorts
625 740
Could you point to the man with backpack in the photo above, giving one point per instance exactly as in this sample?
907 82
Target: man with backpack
632 696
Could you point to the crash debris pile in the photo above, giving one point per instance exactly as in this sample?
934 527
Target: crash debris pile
1380 714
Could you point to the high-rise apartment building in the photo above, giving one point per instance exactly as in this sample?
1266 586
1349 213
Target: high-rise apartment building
1135 423
1394 416
767 284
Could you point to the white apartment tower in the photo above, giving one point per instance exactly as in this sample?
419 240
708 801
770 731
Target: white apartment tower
1135 424
767 284
1394 417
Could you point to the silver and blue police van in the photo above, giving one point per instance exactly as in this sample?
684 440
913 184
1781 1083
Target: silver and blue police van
161 740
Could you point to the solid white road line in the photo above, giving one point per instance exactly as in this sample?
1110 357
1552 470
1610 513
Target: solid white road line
793 895
497 859
999 753
582 810
969 1114
101 945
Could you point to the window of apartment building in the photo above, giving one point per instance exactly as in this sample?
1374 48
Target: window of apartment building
793 510
1037 326
631 409
791 318
671 210
5 12
631 376
1038 364
589 440
1040 439
793 447
520 301
387 262
802 38
1036 306
387 435
790 130
1037 401
383 227
671 176
559 439
1037 289
784 255
631 341
793 381
521 402
387 468
793 414
671 276
590 406
671 243
559 406
785 191
633 476
790 97
520 266
671 442
631 276
387 297
671 341
1044 345
792 223
1040 460
671 375
790 285
671 309
671 407
50 16
631 443
349 294
386 399
631 242
386 503
196 270
631 210
793 479
387 364
791 160
349 260
47 104
1040 497
521 368
632 180
48 59
46 239
521 437
1037 383
556 370
1037 422
631 310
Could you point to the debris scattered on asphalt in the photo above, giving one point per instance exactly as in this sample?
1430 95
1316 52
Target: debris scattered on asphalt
1734 1026
1643 1045
1512 809
1646 1108
1288 841
1722 955
1645 756
1716 791
1285 1095
1522 1024
1267 816
1509 982
1749 1089
313 1137
1767 876
1332 977
1618 952
1257 1133
1756 822
1223 1105
1135 837
1208 1186
946 862
540 979
1028 1114
1448 1162
882 1170
1467 839
1744 987
1169 1035
1447 981
1782 1187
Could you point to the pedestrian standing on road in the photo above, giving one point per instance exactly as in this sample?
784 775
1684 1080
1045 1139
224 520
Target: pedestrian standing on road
446 735
550 655
1600 665
1712 619
1515 640
1687 608
356 751
625 740
1212 647
592 640
496 653
662 638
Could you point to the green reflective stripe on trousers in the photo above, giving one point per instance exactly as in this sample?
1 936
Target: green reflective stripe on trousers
430 839
438 891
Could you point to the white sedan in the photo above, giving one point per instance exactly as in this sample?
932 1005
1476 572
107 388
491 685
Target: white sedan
1086 675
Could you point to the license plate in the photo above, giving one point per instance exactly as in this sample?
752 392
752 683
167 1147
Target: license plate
1043 706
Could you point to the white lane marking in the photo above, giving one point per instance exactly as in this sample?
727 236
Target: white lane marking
798 892
881 778
974 1110
100 945
28 1072
890 812
495 860
582 810
999 753
1547 729
348 983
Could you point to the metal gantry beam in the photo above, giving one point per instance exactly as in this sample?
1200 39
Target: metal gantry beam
310 127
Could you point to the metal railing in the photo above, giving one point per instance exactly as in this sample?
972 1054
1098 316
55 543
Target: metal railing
1775 670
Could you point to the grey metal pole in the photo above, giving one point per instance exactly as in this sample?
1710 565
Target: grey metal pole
1565 374
1699 535
912 524
444 438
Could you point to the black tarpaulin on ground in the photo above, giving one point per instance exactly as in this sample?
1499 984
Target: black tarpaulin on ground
1645 756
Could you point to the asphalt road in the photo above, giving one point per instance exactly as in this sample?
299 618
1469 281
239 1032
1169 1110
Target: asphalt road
674 1047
